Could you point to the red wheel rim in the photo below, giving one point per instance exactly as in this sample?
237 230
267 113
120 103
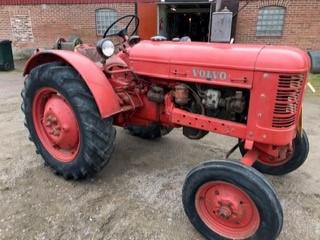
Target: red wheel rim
273 161
56 124
227 210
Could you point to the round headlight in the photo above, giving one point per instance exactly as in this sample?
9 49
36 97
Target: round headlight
108 48
105 47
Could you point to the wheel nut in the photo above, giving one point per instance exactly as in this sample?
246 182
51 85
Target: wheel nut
54 120
56 133
66 128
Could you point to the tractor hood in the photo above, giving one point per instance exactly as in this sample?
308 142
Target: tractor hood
197 61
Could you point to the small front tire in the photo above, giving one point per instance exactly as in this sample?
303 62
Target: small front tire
229 200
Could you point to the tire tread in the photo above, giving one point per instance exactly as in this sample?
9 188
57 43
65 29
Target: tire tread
98 134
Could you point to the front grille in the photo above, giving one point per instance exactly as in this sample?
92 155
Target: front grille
287 100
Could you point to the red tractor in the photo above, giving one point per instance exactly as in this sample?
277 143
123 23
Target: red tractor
71 100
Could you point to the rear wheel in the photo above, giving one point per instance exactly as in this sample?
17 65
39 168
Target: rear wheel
152 131
295 158
229 200
64 122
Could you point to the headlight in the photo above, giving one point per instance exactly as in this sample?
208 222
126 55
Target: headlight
105 47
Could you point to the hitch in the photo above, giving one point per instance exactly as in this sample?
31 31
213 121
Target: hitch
249 158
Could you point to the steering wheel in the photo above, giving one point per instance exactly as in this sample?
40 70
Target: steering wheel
124 32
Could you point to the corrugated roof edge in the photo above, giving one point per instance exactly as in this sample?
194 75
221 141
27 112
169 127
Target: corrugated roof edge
26 2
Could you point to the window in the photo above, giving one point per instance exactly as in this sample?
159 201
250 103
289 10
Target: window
271 21
104 18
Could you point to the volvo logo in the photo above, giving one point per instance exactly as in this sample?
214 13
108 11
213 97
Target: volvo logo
209 75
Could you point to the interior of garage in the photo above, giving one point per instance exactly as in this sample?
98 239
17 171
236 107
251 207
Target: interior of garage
191 19
179 20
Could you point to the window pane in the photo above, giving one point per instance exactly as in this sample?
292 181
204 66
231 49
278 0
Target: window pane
270 20
104 18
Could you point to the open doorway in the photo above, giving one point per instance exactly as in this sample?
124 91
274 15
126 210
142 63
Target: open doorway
179 20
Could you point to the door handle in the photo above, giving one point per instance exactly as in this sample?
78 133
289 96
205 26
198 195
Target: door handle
175 72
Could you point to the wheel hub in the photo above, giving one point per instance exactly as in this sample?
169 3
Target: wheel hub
60 123
284 156
56 124
227 210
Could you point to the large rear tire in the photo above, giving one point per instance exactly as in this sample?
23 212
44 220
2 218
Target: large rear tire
293 161
64 122
229 200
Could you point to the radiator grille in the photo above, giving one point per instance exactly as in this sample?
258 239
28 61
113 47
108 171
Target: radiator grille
287 100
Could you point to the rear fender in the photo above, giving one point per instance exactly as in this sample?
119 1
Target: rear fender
100 87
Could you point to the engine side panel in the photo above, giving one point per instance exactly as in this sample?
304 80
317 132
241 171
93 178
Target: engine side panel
208 63
275 107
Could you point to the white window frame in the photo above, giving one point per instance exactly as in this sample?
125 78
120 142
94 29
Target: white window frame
104 18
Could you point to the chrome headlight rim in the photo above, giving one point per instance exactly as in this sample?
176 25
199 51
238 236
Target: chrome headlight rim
105 47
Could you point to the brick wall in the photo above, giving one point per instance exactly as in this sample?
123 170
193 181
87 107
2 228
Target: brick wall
301 28
32 26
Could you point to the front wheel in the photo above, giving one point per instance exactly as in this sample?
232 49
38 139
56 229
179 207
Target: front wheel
229 200
64 122
295 158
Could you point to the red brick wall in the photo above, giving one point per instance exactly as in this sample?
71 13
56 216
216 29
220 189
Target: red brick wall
41 25
301 28
32 26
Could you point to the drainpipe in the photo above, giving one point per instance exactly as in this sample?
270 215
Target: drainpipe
218 5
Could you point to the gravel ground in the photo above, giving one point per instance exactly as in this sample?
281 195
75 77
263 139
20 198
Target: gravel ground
138 194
